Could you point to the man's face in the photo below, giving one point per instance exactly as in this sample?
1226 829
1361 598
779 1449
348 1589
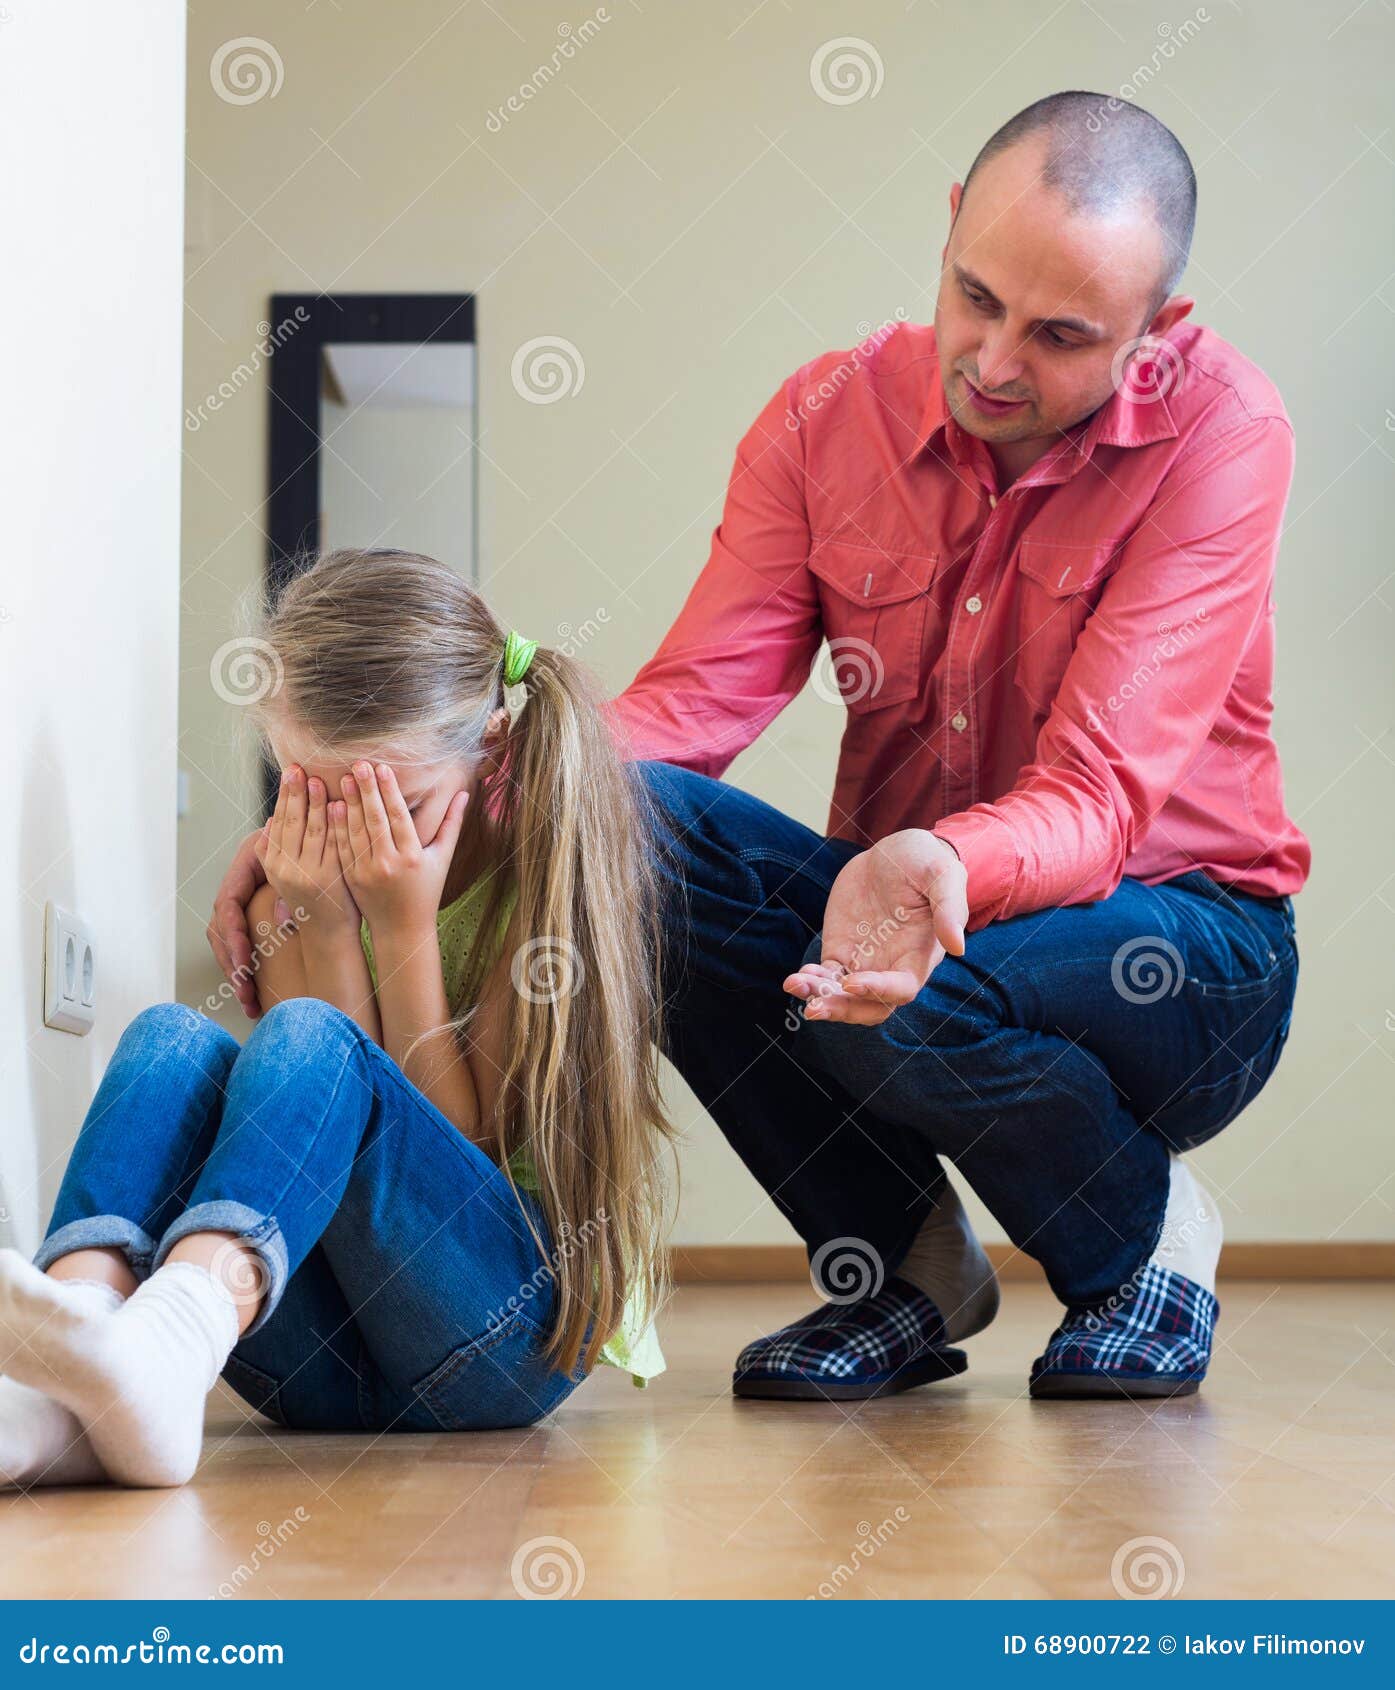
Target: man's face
1034 303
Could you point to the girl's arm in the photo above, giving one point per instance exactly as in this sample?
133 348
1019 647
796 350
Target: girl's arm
396 880
291 962
412 999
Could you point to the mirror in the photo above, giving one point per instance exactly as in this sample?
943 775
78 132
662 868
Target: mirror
397 432
374 419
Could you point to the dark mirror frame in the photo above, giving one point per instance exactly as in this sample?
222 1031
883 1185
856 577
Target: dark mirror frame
303 324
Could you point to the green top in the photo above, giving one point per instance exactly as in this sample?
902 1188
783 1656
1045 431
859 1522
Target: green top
635 1347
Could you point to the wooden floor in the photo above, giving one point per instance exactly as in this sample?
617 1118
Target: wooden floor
1277 1480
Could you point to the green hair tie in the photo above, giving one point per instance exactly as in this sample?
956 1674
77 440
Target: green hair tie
518 655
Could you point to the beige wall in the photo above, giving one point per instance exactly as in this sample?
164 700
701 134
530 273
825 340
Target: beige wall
680 205
91 125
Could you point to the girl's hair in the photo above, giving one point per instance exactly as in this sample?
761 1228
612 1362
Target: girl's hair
390 649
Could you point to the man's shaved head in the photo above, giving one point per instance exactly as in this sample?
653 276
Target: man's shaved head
1059 268
1104 155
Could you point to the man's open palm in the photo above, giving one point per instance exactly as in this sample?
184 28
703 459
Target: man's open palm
893 913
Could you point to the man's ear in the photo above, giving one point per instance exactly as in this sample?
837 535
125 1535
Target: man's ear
1170 313
956 193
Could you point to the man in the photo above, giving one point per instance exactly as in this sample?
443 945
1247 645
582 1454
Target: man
1050 934
1041 549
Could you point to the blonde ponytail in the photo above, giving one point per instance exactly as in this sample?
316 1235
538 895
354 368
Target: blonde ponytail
581 1084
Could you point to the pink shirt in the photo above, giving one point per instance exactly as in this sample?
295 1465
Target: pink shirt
1070 680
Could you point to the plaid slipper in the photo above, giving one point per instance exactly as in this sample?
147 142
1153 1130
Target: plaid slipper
1157 1344
872 1347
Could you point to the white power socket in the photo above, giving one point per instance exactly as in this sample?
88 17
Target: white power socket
70 972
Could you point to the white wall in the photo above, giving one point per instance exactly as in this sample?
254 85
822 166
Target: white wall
91 131
679 204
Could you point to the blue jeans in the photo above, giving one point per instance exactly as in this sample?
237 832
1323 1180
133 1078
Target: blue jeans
1055 1063
404 1290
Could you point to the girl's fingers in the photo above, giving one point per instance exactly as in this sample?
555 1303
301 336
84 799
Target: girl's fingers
339 820
316 826
401 829
276 820
451 822
359 846
374 815
293 831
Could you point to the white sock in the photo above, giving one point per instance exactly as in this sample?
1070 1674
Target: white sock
1190 1243
41 1442
137 1379
946 1262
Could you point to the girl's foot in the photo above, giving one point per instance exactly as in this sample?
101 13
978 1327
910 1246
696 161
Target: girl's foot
138 1378
41 1442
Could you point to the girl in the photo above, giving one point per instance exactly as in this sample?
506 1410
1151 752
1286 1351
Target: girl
425 1194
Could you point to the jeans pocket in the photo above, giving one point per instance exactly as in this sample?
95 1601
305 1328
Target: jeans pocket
496 1380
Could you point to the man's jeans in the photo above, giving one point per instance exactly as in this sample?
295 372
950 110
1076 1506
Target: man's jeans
1054 1063
403 1288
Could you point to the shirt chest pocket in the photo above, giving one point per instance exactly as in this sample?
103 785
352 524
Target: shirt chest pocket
1058 584
874 606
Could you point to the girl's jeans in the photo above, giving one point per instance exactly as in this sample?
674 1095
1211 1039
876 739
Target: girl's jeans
404 1290
1055 1063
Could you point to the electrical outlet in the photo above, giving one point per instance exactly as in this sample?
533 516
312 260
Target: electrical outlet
70 972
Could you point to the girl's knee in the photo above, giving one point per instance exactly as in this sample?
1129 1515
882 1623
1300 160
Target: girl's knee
300 1030
175 1027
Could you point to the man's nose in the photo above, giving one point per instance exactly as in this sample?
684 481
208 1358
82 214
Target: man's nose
1000 361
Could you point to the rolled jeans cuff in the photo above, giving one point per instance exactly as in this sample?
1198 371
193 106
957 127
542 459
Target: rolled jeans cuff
258 1233
99 1232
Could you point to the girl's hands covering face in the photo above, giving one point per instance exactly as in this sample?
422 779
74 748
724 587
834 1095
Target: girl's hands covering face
396 878
299 851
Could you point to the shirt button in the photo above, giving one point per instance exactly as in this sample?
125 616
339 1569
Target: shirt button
959 721
973 605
